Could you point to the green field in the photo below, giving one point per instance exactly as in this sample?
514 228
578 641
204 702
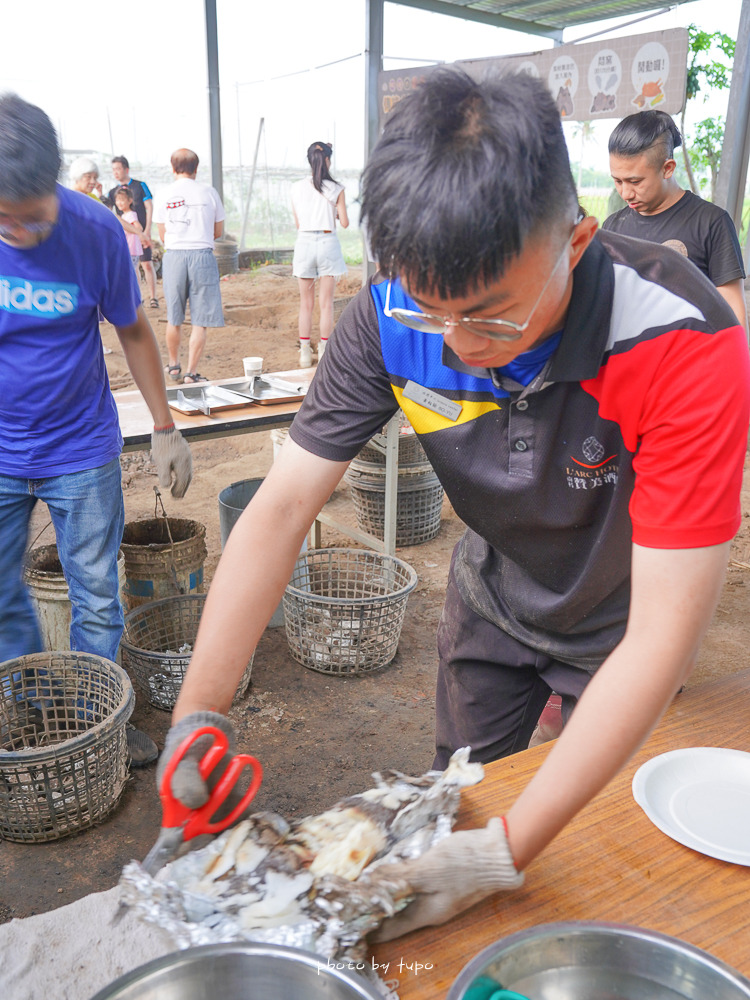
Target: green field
277 231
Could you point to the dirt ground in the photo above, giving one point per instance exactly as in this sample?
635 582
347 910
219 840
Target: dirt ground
318 736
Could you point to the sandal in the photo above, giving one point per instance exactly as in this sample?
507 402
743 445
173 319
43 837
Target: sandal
154 303
174 372
193 377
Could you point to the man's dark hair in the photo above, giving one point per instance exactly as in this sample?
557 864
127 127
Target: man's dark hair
29 153
646 131
464 174
122 160
184 161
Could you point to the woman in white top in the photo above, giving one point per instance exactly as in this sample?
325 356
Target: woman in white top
318 201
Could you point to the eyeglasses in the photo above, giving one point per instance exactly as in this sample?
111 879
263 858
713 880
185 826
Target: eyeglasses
39 228
489 328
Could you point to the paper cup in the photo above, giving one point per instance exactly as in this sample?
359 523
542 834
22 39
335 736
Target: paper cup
253 366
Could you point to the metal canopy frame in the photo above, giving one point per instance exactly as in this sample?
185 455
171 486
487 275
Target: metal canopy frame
538 17
548 18
534 17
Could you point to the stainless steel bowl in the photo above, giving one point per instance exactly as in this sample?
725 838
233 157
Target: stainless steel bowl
240 972
598 961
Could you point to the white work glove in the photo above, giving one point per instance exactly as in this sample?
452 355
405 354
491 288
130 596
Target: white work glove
450 877
187 784
171 456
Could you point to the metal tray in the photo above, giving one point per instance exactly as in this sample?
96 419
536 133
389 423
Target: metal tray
206 399
266 392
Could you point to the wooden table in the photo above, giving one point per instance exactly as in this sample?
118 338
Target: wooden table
136 422
136 425
611 863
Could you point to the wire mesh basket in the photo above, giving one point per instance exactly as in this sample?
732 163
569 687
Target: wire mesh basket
344 609
63 745
410 450
419 501
157 645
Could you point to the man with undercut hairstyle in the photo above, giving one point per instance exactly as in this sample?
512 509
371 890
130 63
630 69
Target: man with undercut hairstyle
63 258
571 389
641 157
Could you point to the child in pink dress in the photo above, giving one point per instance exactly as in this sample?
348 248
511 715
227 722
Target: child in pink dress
124 202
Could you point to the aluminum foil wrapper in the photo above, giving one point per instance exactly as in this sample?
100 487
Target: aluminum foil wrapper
322 883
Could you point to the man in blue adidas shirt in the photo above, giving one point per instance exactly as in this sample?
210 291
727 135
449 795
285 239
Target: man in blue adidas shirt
583 398
63 257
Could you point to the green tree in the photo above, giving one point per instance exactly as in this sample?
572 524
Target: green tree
706 149
705 73
583 131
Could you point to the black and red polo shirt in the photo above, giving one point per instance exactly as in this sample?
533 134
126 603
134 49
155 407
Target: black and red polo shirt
635 430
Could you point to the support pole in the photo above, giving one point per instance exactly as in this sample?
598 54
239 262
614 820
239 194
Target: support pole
214 105
250 186
730 184
373 66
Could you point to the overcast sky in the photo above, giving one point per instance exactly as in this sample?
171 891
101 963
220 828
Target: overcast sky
134 80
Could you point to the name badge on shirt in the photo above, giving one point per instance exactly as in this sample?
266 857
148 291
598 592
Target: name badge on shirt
432 401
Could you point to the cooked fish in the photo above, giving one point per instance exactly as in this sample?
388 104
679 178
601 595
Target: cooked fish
320 883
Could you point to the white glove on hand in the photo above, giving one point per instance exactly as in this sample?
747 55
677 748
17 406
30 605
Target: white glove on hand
171 456
187 784
452 876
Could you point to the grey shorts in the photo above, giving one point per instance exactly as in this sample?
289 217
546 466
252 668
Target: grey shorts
192 275
491 688
317 254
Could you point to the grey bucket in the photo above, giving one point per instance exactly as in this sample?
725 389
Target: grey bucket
226 253
232 501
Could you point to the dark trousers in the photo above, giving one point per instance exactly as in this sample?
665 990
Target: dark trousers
491 689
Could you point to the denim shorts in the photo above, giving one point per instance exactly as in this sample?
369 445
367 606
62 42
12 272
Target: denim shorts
192 275
317 254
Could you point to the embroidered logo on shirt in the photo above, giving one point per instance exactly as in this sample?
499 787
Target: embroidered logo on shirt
47 300
599 469
592 449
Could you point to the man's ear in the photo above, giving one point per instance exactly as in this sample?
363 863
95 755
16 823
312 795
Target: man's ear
582 236
669 168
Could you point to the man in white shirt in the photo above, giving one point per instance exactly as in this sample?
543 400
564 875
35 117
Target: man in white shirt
189 216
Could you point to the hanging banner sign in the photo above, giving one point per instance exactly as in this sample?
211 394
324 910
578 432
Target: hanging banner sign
589 80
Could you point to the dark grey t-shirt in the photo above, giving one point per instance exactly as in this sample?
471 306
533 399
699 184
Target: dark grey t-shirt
699 230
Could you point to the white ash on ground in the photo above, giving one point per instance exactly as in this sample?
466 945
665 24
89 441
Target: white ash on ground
257 707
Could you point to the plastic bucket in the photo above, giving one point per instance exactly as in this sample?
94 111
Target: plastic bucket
164 557
227 255
48 589
232 501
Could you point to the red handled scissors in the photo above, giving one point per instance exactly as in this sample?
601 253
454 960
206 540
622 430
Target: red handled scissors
179 823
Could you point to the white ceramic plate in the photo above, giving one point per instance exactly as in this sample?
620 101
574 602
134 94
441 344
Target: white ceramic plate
699 797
